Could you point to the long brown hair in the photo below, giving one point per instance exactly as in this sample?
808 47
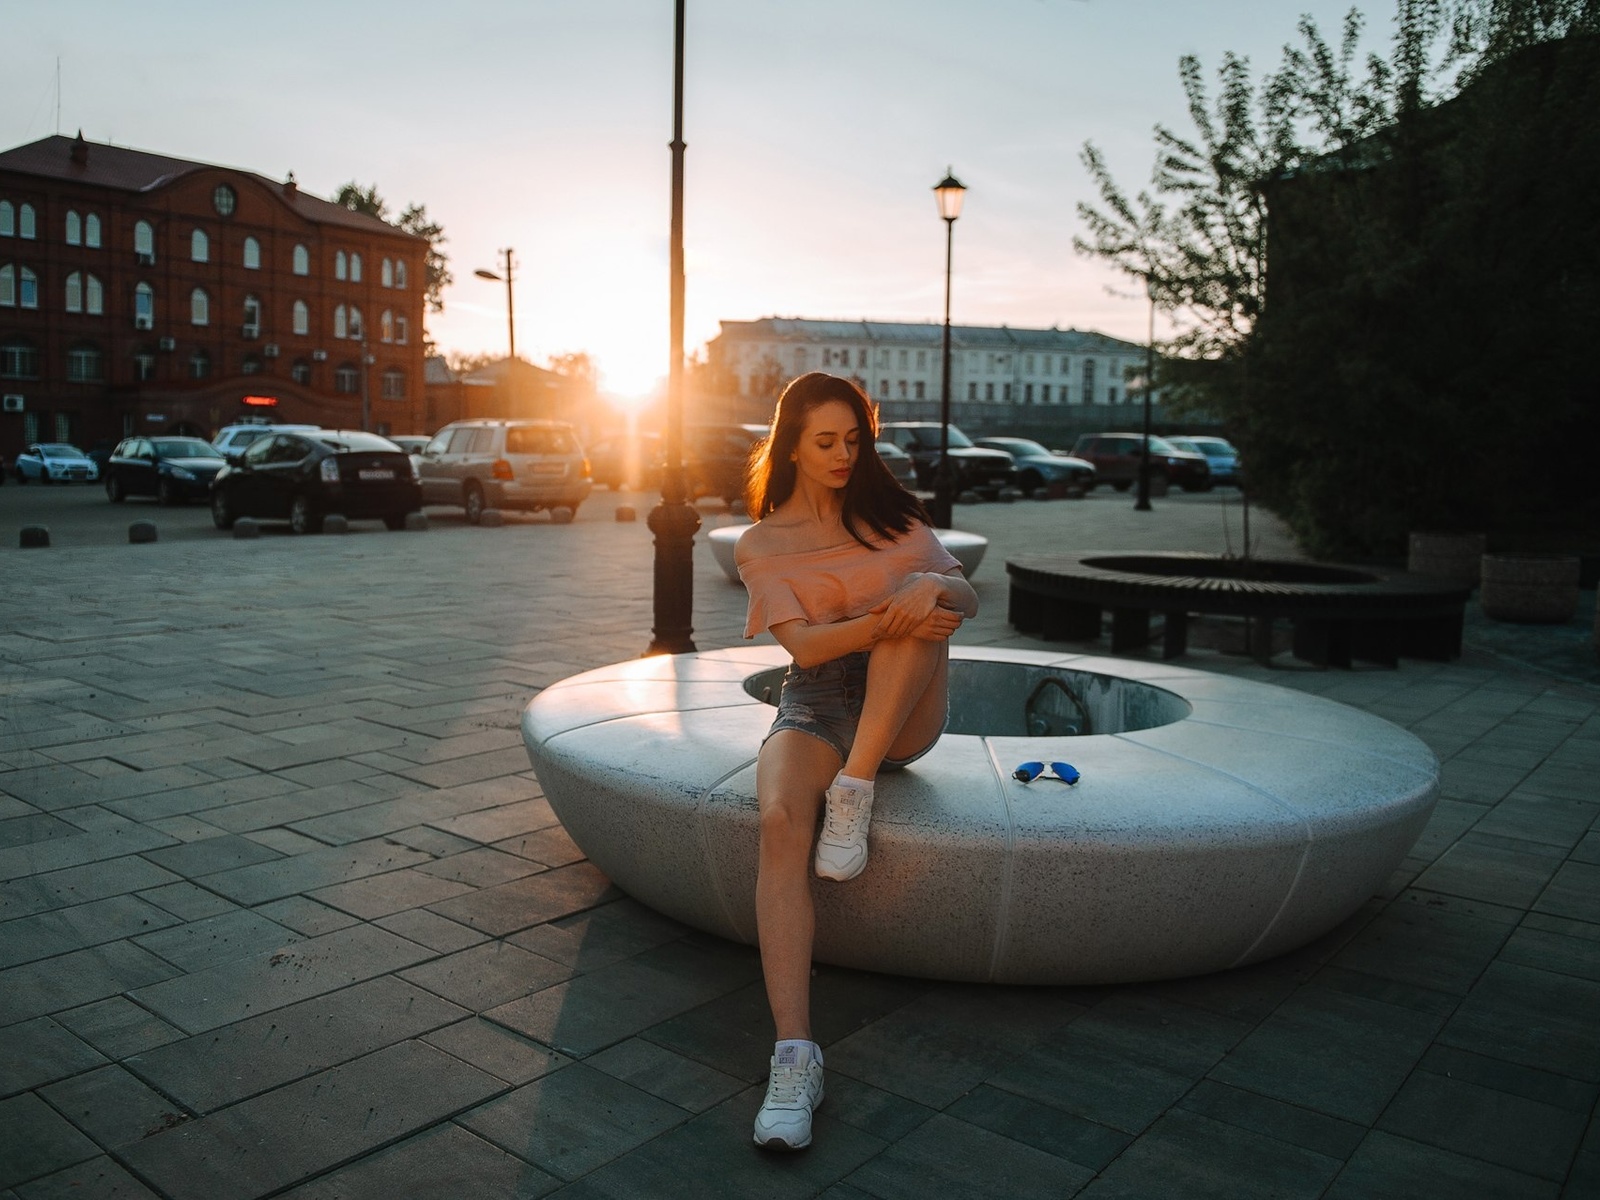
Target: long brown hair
872 498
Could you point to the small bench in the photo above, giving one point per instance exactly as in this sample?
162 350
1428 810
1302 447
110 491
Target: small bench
1340 614
967 548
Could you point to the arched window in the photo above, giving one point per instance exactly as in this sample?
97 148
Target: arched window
302 261
94 296
27 288
25 222
199 365
252 254
91 231
144 306
144 363
400 273
199 307
302 318
252 317
301 372
74 228
341 326
144 242
386 326
357 331
386 275
341 265
8 286
346 378
8 219
400 328
19 359
75 293
394 384
355 268
251 365
84 363
199 246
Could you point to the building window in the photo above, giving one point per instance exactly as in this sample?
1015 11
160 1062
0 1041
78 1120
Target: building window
301 372
302 261
199 365
1044 393
1065 398
251 365
341 322
922 360
18 287
144 242
386 326
386 273
988 391
199 246
346 378
1064 370
8 219
1027 364
1111 395
144 365
401 334
144 306
905 357
861 358
94 296
394 384
74 228
883 387
1088 381
18 360
302 318
400 272
917 389
972 391
1008 394
223 199
341 265
252 317
8 286
800 360
1027 393
357 330
355 268
83 363
252 254
902 384
26 227
75 293
91 231
199 308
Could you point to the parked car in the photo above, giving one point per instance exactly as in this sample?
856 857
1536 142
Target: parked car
54 462
1116 458
626 461
303 476
715 458
172 469
413 444
899 464
1219 454
233 439
525 465
976 469
1039 468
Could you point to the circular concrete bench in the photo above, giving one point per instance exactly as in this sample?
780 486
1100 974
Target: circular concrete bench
967 548
1218 821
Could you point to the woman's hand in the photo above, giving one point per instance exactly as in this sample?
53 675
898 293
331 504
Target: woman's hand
911 606
940 624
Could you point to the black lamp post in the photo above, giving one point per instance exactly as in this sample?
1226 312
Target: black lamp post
1142 504
674 520
949 193
511 329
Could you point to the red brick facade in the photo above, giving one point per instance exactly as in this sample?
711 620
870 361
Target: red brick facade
145 363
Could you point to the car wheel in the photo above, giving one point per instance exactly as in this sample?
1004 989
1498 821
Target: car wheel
1029 482
303 516
114 492
472 501
562 514
166 494
395 521
222 516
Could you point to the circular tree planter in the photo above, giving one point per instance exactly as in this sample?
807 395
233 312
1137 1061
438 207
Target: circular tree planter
1530 588
1453 556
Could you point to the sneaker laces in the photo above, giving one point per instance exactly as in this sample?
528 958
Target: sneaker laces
842 818
785 1085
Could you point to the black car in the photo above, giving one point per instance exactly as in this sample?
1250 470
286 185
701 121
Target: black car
715 458
1038 468
172 469
301 477
976 469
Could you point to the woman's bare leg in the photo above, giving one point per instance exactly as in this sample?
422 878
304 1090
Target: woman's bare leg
793 771
905 704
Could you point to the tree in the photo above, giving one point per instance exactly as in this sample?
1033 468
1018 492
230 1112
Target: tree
578 366
413 220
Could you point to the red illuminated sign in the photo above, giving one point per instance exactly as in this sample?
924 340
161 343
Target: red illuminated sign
261 401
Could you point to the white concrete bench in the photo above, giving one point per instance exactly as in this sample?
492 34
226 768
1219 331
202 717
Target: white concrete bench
1218 822
967 548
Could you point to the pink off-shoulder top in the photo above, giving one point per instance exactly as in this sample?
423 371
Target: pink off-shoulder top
836 583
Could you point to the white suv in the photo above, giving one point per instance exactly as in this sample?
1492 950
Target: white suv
519 464
232 440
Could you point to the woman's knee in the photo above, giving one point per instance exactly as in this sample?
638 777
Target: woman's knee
787 827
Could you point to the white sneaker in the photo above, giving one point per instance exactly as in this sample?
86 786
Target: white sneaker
842 846
793 1092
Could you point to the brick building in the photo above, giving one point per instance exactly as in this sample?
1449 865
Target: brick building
143 293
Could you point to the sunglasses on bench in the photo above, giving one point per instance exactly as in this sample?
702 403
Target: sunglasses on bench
1029 771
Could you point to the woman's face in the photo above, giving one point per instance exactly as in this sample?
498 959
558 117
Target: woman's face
829 445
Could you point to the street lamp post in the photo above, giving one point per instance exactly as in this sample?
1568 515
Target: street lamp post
674 520
508 266
366 392
1142 504
948 193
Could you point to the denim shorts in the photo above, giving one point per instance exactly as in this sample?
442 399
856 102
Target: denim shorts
825 702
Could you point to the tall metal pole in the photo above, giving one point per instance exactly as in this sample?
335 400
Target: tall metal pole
944 483
366 394
1142 504
511 313
674 520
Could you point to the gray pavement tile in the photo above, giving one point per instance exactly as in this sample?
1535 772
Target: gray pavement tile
552 847
194 860
205 796
1248 993
1532 1017
882 1114
223 1066
432 841
388 816
392 892
284 841
1543 1087
1063 1135
79 885
731 1033
38 1140
11 808
47 934
1387 1167
95 1179
23 831
70 980
93 818
186 828
1509 871
304 803
487 975
482 867
497 1050
305 915
61 853
1318 1132
261 1145
1190 1155
1332 1052
1555 944
573 1121
455 772
38 1051
445 1161
946 1156
1564 781
431 930
420 750
530 901
1450 819
1481 1122
220 995
1431 940
1480 782
1573 893
212 941
1583 1181
327 771
1556 821
1157 1029
188 901
608 933
669 1076
317 868
118 1027
496 824
50 788
112 1106
1588 850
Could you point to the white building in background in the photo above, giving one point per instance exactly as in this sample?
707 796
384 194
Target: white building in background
995 371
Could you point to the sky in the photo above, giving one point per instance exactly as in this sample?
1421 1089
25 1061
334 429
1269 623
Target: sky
815 131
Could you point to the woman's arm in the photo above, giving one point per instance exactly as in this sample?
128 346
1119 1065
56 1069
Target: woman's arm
810 644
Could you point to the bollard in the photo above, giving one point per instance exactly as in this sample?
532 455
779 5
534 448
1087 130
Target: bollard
625 513
140 532
34 537
335 523
491 518
417 522
244 527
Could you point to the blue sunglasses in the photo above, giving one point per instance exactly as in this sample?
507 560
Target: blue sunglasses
1029 771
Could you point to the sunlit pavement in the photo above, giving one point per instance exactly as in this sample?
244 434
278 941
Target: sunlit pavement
283 911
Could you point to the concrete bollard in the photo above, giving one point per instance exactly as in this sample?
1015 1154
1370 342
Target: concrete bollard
244 527
34 537
140 532
625 513
335 523
417 522
491 518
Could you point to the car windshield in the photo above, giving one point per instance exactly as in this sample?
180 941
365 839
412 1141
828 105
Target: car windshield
186 448
1159 445
348 440
58 450
890 450
1024 447
530 440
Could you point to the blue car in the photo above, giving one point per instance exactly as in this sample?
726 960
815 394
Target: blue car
1218 452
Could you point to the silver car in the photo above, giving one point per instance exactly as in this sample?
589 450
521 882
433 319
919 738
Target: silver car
526 465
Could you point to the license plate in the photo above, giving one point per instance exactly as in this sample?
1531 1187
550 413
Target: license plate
373 473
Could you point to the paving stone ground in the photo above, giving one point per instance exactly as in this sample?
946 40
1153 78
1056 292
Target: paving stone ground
283 911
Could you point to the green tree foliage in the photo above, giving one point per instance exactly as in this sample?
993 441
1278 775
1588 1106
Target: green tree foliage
413 220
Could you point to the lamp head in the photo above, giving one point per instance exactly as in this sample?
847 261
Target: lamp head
949 192
482 274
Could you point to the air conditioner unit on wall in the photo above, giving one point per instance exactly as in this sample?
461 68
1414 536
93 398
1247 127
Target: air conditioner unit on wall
142 322
320 355
145 258
11 403
270 350
169 343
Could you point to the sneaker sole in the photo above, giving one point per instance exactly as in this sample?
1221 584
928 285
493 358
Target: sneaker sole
836 877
